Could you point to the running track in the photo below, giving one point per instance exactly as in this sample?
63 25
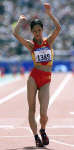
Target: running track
15 133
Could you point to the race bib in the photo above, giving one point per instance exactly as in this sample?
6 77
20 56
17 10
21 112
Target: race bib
43 54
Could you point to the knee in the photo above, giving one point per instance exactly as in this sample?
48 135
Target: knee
43 119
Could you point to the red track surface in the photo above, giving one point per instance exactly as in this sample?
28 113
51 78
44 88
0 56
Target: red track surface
15 133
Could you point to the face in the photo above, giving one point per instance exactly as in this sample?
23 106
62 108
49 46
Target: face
37 32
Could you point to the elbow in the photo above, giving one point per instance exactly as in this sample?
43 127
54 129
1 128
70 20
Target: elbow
59 28
14 33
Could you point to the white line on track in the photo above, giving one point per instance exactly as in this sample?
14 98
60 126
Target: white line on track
59 89
24 136
72 113
61 127
62 143
12 127
9 97
16 136
11 80
57 92
6 127
27 128
51 140
28 136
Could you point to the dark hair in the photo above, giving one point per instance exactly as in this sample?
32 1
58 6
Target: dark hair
36 22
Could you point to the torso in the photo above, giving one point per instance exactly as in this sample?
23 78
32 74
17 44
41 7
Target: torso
42 56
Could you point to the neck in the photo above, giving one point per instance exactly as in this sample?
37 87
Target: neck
38 41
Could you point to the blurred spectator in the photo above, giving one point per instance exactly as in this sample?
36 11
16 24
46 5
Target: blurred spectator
1 9
10 10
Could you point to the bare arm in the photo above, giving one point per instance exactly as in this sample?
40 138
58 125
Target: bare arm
26 43
51 38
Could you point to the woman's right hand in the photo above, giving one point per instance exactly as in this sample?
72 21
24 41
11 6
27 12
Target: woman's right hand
47 8
22 19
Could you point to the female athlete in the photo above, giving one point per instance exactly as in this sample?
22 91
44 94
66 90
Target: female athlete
40 76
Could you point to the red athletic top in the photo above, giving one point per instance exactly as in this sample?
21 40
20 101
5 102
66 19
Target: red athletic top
42 54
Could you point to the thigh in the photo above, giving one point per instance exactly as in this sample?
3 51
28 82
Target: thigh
31 91
43 96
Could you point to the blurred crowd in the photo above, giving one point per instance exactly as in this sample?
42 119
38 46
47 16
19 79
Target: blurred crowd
10 10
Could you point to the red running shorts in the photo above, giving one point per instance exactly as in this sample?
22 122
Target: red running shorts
40 77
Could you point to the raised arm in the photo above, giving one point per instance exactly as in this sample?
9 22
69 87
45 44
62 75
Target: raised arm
27 43
51 38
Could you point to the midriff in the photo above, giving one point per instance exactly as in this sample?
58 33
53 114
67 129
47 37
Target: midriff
44 68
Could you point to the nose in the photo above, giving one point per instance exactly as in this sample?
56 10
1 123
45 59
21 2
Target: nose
37 34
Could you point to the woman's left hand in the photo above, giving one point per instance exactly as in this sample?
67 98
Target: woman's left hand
47 8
